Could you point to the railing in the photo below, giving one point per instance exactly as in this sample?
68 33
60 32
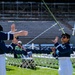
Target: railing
35 11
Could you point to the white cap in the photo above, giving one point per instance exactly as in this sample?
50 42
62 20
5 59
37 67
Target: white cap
20 42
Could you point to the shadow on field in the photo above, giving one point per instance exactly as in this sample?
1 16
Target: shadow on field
9 69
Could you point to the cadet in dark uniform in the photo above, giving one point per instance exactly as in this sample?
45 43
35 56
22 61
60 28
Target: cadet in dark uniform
63 51
4 48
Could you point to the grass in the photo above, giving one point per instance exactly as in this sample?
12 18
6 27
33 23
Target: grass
11 70
45 62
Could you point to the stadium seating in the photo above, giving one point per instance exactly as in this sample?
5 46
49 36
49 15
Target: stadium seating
35 28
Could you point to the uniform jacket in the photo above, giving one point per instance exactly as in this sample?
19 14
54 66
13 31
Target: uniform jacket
62 50
3 47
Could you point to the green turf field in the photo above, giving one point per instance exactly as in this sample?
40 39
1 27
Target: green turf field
11 70
51 64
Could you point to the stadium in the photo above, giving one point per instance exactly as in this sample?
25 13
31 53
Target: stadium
44 20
